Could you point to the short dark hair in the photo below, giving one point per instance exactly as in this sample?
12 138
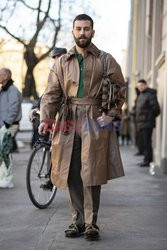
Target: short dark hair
142 81
83 17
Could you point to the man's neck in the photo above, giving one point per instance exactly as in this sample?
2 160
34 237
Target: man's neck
80 50
145 89
4 83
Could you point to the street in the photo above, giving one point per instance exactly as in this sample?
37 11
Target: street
133 213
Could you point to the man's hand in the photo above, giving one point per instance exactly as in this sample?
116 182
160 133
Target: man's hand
43 128
104 120
32 113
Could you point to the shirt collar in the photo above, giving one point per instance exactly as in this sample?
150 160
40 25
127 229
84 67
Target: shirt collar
90 49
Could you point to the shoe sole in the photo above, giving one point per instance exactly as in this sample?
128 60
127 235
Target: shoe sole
74 236
91 238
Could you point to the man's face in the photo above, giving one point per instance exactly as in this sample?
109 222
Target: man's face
141 86
3 77
82 33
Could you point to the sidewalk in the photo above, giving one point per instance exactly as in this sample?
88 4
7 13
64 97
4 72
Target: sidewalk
132 216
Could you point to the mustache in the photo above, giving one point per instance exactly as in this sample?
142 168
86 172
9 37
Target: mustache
82 37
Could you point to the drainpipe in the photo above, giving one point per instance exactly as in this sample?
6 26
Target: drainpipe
134 48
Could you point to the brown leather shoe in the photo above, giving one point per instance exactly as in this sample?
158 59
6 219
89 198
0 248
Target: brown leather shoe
92 232
74 231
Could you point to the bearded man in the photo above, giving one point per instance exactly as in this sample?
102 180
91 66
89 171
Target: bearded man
83 157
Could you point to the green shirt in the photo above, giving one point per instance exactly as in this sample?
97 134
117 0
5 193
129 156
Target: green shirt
80 92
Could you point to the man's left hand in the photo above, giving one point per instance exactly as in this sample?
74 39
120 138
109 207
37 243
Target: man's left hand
104 120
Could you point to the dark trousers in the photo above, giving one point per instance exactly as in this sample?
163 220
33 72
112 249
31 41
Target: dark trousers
139 142
146 135
123 138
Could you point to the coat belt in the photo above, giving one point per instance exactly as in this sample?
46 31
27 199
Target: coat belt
77 101
85 101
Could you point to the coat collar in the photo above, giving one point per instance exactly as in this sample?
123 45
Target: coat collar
90 49
8 84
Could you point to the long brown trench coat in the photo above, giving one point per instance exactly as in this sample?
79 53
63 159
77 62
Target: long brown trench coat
100 156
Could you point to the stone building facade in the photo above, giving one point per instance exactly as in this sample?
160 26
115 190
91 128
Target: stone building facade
147 58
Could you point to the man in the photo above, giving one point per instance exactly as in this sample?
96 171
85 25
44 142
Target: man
147 109
10 115
83 157
137 138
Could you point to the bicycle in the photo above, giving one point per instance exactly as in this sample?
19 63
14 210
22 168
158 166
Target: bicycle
38 174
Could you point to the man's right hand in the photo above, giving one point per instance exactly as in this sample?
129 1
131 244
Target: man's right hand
31 114
43 128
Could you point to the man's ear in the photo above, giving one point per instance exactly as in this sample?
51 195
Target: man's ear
93 33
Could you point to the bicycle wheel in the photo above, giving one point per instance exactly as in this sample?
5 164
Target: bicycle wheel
38 173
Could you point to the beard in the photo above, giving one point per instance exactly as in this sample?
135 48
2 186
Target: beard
83 43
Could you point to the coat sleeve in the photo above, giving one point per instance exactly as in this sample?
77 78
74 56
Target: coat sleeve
51 99
36 104
153 103
115 74
14 102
